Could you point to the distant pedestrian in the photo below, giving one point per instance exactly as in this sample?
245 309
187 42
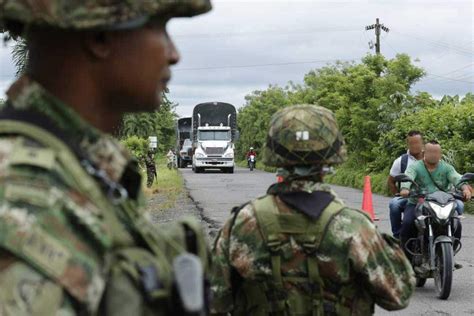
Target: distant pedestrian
150 165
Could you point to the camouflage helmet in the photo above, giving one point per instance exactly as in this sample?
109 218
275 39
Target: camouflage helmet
94 14
303 135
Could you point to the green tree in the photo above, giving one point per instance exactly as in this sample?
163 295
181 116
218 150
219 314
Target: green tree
254 117
451 122
365 96
158 123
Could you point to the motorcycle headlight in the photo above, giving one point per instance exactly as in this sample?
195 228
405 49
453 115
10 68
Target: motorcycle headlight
440 211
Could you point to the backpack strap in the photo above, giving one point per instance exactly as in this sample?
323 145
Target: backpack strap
267 213
308 233
404 163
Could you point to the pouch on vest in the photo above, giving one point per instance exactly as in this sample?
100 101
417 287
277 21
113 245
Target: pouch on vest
175 281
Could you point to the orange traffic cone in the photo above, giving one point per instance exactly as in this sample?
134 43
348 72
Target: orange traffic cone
367 203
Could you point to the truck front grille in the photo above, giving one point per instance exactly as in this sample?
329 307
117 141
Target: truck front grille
215 151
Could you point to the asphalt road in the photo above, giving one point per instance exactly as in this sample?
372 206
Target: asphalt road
216 194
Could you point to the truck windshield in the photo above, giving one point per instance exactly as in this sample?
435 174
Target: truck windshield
214 135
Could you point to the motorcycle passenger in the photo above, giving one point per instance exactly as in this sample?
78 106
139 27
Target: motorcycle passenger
398 203
431 174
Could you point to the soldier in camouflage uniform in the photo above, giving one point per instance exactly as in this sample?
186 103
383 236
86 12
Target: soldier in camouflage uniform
73 239
150 168
298 250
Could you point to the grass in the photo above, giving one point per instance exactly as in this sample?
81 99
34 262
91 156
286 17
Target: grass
349 176
169 184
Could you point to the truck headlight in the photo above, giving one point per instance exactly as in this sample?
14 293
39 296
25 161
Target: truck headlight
199 155
229 155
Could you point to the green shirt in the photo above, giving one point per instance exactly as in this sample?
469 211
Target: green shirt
445 176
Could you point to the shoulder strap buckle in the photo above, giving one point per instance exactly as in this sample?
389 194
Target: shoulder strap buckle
309 245
274 243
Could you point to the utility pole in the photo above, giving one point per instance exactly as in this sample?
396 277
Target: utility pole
378 30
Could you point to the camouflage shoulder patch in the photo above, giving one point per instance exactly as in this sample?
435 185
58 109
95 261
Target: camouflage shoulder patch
47 242
21 193
31 156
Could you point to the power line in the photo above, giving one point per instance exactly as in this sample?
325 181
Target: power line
440 44
447 78
262 65
465 76
458 69
275 31
443 76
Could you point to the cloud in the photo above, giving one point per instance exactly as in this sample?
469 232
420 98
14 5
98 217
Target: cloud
235 33
240 33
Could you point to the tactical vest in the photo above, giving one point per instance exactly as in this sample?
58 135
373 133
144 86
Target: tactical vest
311 296
148 253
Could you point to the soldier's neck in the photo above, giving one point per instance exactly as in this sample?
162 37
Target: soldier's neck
81 94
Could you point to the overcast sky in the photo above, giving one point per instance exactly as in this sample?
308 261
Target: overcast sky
242 46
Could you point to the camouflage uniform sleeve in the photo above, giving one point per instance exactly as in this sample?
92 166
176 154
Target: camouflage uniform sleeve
236 252
381 263
24 291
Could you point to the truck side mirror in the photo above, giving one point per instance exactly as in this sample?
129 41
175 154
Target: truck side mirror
237 135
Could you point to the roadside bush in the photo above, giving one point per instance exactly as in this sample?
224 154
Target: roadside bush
137 146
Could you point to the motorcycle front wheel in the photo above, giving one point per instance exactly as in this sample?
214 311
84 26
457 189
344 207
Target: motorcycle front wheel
443 273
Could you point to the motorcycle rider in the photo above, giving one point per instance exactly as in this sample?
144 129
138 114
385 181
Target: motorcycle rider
250 153
431 174
398 203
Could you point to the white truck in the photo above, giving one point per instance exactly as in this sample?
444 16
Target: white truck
214 134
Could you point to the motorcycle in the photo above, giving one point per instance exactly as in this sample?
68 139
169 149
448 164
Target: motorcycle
433 250
251 162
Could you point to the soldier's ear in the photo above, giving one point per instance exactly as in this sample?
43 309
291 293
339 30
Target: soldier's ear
98 44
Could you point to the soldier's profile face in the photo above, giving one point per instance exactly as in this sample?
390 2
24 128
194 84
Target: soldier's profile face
143 58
